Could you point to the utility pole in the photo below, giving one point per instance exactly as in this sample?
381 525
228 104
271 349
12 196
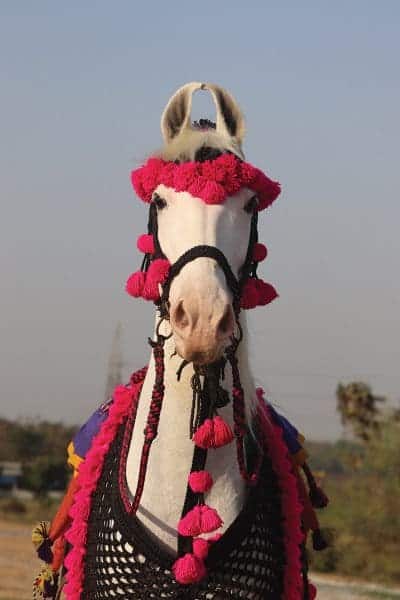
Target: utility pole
115 363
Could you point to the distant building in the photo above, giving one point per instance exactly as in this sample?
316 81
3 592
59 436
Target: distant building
10 475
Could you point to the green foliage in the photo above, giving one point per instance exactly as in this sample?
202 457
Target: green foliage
359 408
364 510
41 448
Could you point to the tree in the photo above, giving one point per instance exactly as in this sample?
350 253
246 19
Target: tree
359 408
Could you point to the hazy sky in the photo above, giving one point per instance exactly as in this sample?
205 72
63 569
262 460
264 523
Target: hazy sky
82 89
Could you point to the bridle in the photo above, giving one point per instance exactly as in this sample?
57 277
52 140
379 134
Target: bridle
235 284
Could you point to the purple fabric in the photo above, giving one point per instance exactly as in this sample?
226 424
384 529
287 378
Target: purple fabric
83 439
290 433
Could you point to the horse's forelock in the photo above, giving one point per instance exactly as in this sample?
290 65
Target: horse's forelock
199 143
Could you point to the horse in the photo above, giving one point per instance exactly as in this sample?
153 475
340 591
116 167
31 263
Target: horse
187 482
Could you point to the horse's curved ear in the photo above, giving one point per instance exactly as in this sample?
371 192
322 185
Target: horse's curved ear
176 115
230 120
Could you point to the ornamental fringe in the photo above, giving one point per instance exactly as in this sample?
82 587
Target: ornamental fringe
88 476
291 505
212 180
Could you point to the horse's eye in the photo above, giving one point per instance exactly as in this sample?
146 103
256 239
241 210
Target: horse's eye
251 205
159 202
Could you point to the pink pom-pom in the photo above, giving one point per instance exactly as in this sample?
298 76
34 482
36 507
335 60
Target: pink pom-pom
190 524
200 481
312 591
222 432
157 274
204 435
201 519
259 252
200 548
250 294
213 433
135 284
189 569
145 243
266 292
210 519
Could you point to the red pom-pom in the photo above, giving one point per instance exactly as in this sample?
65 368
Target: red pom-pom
190 524
312 591
145 244
157 274
135 284
259 252
201 519
213 433
204 435
210 519
266 292
222 432
200 481
200 548
189 569
250 294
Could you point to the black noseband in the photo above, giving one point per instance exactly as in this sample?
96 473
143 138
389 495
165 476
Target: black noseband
202 252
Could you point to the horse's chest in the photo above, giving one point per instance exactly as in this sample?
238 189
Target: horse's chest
123 559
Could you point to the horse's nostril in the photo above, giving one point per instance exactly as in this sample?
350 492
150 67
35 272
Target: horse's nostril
179 315
225 325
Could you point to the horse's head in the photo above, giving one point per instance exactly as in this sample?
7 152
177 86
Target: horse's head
203 212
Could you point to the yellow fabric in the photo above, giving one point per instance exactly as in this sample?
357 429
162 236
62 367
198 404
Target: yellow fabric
73 459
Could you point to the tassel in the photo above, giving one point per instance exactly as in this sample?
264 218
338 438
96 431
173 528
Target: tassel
145 244
213 433
200 481
200 548
45 584
204 435
250 295
157 274
42 542
318 497
189 569
201 519
135 284
259 252
318 541
210 519
223 434
190 524
312 591
266 292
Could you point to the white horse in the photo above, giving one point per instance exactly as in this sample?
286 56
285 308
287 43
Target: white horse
140 522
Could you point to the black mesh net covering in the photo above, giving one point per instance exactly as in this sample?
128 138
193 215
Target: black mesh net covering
124 561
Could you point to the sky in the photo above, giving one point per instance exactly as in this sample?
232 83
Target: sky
83 86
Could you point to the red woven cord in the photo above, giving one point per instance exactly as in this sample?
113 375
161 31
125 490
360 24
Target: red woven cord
153 419
240 423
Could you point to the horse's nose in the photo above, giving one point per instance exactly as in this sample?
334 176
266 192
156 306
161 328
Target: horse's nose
201 328
187 319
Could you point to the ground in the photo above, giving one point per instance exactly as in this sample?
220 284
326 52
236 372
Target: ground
18 566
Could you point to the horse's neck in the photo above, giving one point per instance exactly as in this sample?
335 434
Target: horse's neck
172 452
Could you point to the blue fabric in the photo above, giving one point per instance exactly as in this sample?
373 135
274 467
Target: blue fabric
290 433
82 440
